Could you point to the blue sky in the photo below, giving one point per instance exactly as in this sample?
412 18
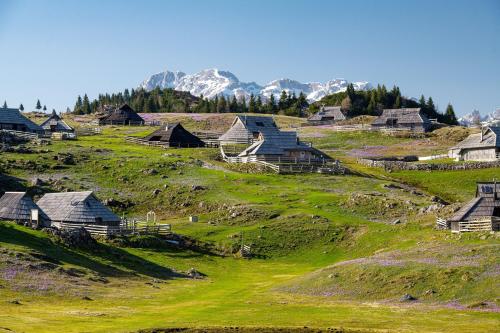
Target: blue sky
56 50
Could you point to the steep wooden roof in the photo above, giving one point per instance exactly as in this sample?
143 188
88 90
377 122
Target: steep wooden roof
483 205
17 206
327 112
489 138
55 120
243 127
14 116
123 114
79 207
403 116
174 133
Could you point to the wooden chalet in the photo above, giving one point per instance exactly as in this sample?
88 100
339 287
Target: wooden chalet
484 146
14 120
77 209
327 115
55 124
480 214
17 207
174 135
245 129
410 119
124 115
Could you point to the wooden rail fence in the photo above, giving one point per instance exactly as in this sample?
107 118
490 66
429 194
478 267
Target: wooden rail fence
125 228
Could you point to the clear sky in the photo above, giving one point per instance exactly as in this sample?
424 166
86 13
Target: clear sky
56 50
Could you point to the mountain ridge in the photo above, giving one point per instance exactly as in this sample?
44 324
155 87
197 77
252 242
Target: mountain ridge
212 82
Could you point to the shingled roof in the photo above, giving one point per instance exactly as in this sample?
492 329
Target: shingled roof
17 206
176 135
402 116
55 124
76 207
15 117
483 205
489 138
246 128
328 113
122 115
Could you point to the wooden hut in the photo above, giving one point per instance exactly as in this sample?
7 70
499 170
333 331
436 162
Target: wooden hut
327 115
411 119
17 206
245 129
174 135
54 123
281 147
77 209
480 214
124 115
14 120
484 146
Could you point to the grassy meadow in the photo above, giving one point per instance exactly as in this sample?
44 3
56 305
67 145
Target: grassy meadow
328 251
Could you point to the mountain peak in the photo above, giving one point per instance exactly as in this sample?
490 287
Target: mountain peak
212 82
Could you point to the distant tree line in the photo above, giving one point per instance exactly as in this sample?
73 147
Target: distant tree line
169 100
369 102
373 101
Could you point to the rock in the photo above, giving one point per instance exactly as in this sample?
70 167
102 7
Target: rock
151 172
86 298
198 188
15 301
194 274
407 298
74 238
156 192
36 182
398 221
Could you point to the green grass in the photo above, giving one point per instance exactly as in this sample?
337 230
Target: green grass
298 226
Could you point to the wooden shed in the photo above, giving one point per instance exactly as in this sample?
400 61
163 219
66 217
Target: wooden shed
55 124
246 129
14 120
411 119
175 135
74 209
124 115
484 146
17 206
481 213
327 115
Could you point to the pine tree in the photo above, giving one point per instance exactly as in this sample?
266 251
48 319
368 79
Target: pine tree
78 106
372 104
397 102
251 104
243 105
283 102
271 104
422 102
258 105
233 106
44 108
450 116
21 107
221 104
38 105
4 105
86 105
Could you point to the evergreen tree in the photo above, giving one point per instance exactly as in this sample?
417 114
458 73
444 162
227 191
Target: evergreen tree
78 106
271 104
450 117
243 105
283 102
258 105
38 105
251 104
4 105
44 108
86 105
372 105
233 106
422 102
126 96
21 107
302 101
397 102
221 105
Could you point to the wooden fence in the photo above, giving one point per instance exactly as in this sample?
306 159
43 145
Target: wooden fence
125 228
22 135
163 144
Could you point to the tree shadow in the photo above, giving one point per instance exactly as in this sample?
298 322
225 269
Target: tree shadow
10 183
103 259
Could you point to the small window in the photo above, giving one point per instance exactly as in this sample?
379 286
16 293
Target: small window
259 123
255 135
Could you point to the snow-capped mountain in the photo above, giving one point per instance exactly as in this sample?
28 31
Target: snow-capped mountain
475 118
212 82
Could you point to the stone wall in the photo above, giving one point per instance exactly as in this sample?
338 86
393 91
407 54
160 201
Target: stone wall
401 165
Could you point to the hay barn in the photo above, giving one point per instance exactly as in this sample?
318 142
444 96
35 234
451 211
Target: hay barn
175 135
246 129
17 206
124 115
55 124
327 115
14 120
484 146
480 214
411 119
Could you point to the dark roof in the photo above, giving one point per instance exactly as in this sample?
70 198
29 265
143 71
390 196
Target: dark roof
124 114
14 116
243 127
56 120
79 207
403 116
490 138
17 206
483 205
174 134
328 112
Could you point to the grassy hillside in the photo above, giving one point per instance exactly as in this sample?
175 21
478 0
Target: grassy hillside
326 250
